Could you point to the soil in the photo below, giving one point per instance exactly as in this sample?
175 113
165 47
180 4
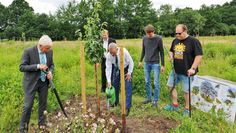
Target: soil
57 121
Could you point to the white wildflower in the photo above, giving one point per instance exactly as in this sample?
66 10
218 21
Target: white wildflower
112 121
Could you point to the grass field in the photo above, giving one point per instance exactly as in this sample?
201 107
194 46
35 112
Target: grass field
219 61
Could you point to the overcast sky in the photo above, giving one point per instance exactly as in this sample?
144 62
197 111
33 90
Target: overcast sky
46 6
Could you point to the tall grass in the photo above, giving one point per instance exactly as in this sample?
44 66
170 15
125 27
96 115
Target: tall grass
219 60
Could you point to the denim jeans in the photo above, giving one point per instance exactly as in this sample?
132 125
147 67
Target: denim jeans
147 70
180 78
116 85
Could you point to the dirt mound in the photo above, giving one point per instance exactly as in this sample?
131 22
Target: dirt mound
105 122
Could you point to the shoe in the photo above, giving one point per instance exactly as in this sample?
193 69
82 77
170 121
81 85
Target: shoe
154 104
24 129
147 101
127 112
186 112
170 107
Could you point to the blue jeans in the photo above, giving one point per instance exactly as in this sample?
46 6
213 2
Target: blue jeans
147 70
116 84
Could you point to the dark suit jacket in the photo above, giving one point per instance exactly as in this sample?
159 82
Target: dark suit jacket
28 65
110 40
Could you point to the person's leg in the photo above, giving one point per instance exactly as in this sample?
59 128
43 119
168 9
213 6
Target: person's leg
186 98
116 83
172 83
147 71
103 70
43 93
28 104
172 86
185 85
156 69
128 88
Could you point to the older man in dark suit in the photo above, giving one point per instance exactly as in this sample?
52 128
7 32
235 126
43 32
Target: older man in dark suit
34 61
106 41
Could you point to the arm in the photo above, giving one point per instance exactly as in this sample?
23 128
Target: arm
51 69
162 52
195 64
171 52
131 62
198 58
108 68
197 61
25 63
143 53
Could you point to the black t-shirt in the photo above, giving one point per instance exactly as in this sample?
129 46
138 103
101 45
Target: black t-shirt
185 52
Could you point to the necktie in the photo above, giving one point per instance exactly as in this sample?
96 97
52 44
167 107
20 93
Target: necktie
116 61
42 61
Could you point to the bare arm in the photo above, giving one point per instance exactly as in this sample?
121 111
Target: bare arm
197 61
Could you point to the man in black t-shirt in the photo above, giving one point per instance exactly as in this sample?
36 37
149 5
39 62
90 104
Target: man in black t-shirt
186 53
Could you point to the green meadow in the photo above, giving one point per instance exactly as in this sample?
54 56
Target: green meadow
219 61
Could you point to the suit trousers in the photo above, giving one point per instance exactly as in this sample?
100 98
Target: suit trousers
42 89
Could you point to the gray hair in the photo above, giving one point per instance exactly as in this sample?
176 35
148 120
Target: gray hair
112 45
45 40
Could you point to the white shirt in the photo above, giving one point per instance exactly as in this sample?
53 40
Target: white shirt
105 45
128 61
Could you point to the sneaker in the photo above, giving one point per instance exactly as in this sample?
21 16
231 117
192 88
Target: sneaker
154 104
186 112
170 107
147 101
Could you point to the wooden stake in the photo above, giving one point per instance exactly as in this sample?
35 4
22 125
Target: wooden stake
97 89
122 87
82 75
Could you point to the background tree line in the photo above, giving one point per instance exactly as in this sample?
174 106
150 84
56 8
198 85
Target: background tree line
125 18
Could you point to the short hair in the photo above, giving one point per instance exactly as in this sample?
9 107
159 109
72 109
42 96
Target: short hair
112 45
45 40
149 28
105 31
183 26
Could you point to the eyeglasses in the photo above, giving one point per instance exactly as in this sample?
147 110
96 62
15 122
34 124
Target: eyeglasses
178 33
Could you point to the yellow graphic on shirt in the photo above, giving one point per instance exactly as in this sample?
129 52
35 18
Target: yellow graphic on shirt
179 51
